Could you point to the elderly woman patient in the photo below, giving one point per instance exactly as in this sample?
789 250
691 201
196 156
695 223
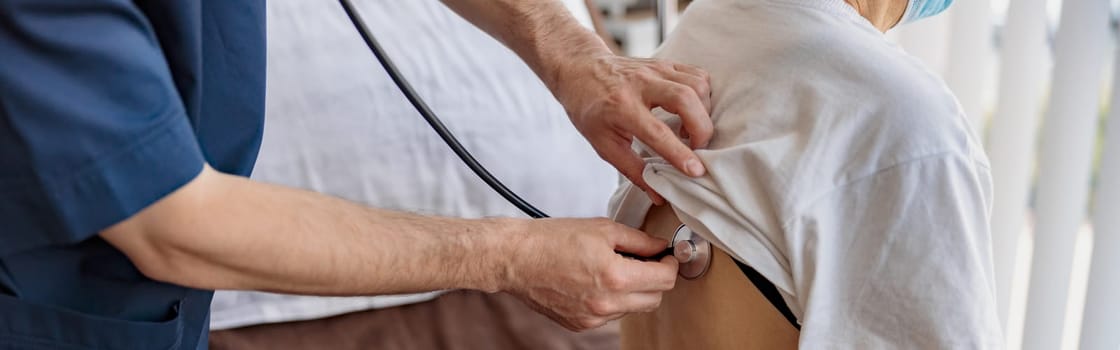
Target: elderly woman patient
842 174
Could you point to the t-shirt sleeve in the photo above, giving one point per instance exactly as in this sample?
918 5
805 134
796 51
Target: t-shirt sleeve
900 259
92 129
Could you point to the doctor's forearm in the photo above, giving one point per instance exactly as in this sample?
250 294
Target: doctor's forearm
226 232
542 32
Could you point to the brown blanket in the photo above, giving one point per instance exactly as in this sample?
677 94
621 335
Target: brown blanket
457 320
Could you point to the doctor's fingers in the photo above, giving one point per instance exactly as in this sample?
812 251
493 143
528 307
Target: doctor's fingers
659 137
641 302
690 69
685 101
694 78
630 240
618 307
644 276
615 149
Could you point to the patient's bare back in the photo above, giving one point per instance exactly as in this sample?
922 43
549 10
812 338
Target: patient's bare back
719 310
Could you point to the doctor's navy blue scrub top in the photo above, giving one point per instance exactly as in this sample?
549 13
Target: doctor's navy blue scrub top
106 106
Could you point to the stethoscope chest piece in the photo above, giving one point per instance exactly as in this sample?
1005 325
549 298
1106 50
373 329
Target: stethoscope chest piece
692 251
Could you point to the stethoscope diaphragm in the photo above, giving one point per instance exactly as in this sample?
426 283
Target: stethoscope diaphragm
693 252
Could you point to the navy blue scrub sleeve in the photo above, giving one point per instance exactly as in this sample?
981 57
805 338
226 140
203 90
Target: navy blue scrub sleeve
92 129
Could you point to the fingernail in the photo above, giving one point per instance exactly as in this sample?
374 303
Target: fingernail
694 167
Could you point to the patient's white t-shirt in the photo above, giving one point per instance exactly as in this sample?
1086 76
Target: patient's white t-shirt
842 170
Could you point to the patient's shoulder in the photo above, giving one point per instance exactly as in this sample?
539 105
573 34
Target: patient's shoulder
913 111
813 93
886 96
861 104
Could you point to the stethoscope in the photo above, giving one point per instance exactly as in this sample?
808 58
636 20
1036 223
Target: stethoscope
692 251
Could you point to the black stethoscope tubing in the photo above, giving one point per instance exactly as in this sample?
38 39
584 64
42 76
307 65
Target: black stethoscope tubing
446 134
433 120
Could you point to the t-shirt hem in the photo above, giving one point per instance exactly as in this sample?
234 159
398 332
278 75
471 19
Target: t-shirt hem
630 206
